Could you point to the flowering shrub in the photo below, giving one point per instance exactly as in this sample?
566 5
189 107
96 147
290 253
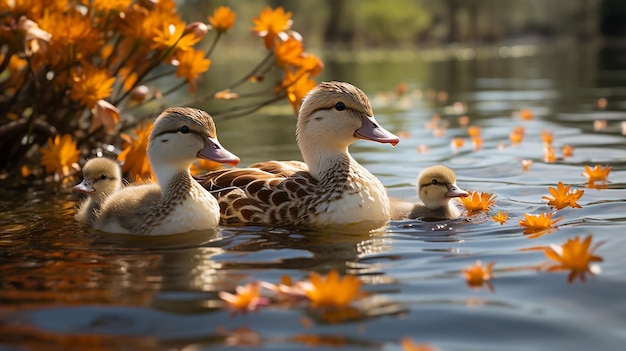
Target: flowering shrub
74 68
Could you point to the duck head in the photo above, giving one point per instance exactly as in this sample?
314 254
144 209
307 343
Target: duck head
437 185
101 176
181 135
338 114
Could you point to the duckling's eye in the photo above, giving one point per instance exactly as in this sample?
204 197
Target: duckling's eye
435 182
184 129
104 176
340 106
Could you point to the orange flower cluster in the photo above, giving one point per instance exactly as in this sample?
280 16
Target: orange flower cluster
72 65
300 67
319 291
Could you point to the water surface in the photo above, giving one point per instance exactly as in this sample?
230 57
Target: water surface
66 287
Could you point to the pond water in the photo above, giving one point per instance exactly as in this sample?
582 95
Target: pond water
66 287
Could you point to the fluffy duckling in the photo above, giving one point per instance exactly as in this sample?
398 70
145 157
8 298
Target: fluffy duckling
437 186
329 188
101 178
176 203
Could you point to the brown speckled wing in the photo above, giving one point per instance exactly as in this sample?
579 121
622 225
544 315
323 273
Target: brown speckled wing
281 168
252 195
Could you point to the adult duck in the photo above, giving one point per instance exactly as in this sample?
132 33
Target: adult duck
329 188
101 177
176 203
436 187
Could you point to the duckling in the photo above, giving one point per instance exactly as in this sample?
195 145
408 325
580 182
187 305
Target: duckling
436 187
176 203
330 187
101 178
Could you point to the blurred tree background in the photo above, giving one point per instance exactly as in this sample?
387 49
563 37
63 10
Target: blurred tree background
358 24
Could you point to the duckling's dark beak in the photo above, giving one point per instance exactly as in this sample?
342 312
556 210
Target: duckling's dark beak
371 130
86 186
214 151
455 191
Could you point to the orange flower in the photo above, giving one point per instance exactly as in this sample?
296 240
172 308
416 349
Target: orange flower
191 63
246 298
331 290
501 217
526 165
297 85
223 19
272 24
526 114
563 197
226 94
409 345
135 154
598 173
311 64
288 52
575 256
477 275
170 35
91 85
477 201
111 5
538 223
60 155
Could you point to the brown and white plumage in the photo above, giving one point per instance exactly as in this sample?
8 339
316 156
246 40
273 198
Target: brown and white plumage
176 203
436 187
101 178
329 187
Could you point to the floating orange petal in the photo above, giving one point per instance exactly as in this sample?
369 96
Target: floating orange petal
538 223
332 290
597 173
563 196
474 131
246 298
477 201
576 256
526 165
409 345
526 114
477 275
567 150
501 217
547 137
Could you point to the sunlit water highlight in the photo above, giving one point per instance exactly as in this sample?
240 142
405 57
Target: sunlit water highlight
63 286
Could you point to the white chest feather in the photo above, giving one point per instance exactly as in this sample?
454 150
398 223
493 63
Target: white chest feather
363 200
199 211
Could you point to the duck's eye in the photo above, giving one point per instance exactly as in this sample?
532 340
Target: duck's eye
104 176
435 182
184 129
340 106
